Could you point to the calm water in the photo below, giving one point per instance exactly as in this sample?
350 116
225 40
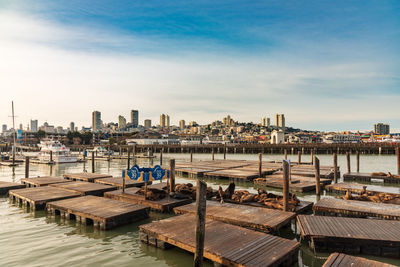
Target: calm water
34 239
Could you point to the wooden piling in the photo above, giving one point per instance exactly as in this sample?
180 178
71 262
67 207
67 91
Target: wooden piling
348 161
285 154
161 152
109 153
358 160
260 164
51 156
27 167
312 156
285 185
172 175
398 160
317 177
191 155
225 151
335 174
213 158
92 161
299 157
129 158
201 194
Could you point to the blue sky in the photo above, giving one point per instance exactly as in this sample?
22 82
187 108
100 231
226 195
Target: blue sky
329 65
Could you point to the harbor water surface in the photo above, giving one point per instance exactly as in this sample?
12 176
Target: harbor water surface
35 239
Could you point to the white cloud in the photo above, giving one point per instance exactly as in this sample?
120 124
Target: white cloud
61 74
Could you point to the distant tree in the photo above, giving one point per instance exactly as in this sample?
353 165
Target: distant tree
111 141
87 137
41 134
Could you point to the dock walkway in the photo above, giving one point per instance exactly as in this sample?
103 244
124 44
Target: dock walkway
42 181
266 220
225 244
340 259
36 198
351 235
7 186
103 213
368 177
355 208
117 182
85 176
85 188
356 188
299 183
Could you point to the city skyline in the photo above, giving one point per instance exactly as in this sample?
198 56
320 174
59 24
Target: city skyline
340 57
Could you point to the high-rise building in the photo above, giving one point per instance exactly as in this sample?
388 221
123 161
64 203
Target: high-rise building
162 121
121 122
280 121
167 121
96 121
182 124
266 122
4 128
72 126
135 118
228 121
34 126
147 124
381 128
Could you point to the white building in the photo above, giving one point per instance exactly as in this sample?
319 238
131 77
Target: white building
341 138
277 137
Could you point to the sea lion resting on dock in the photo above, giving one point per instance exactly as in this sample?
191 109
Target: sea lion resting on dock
190 190
370 196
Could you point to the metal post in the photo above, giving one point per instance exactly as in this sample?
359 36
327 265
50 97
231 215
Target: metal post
201 194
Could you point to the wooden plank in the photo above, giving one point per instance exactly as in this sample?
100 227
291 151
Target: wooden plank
356 188
225 244
368 177
164 205
37 197
117 182
102 212
351 235
340 259
266 220
42 181
355 208
7 186
85 188
298 184
85 176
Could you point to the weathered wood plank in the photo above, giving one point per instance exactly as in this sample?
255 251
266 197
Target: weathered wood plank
115 181
42 181
85 176
85 188
7 186
339 259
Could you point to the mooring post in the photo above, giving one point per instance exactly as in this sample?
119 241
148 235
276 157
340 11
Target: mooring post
84 154
312 156
161 152
317 176
260 164
398 160
26 167
120 150
299 157
335 172
191 155
358 160
201 194
51 157
129 158
224 151
92 161
348 161
109 152
123 185
212 155
285 185
285 154
172 175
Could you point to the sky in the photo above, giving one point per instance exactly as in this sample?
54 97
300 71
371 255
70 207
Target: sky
327 65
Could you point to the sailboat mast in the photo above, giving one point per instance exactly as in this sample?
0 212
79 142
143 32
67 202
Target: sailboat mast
13 150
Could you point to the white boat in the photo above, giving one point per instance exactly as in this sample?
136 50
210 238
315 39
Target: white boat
52 151
101 151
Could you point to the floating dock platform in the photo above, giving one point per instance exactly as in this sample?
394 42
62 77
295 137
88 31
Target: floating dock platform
36 198
42 181
355 208
163 205
299 183
368 177
351 235
356 188
265 220
85 176
85 188
340 259
103 213
117 182
7 186
224 244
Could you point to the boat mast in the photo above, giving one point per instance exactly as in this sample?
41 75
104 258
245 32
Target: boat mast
13 117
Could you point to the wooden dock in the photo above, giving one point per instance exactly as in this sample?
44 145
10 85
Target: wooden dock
100 212
355 208
36 198
342 188
299 183
266 220
163 205
117 182
368 177
7 186
85 188
326 172
42 181
224 244
351 235
85 176
340 259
